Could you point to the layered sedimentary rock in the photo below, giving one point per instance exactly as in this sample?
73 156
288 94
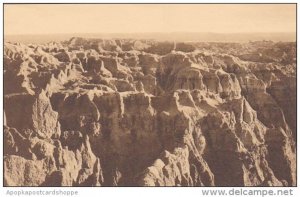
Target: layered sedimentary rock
94 112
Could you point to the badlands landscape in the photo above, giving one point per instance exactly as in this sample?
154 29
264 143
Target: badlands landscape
123 112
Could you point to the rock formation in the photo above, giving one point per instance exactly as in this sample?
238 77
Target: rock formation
95 112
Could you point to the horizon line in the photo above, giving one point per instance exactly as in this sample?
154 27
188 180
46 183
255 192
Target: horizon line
275 32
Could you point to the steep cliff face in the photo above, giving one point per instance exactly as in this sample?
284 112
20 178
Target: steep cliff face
93 112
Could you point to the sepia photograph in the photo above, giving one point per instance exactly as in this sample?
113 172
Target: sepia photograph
149 95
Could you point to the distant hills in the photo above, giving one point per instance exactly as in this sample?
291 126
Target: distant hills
172 36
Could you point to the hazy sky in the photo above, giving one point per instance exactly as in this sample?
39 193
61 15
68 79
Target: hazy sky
221 18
